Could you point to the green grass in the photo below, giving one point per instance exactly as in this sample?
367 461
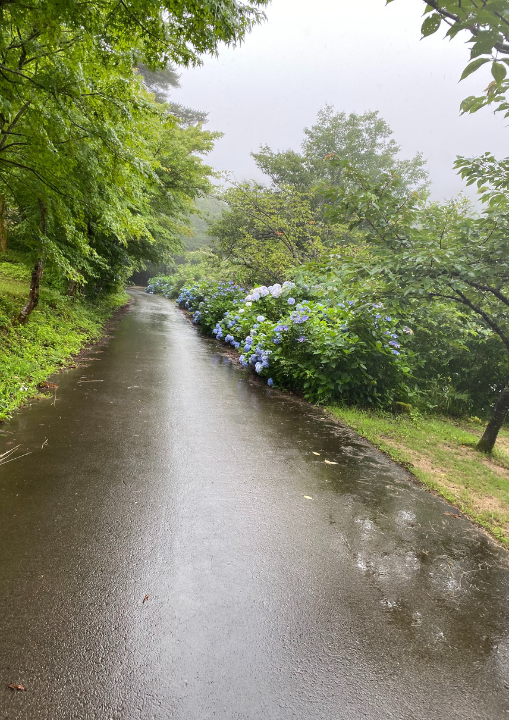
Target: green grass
440 453
57 329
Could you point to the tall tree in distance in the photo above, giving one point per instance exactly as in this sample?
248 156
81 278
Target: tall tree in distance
160 82
363 140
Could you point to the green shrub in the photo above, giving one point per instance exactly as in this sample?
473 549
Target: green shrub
343 350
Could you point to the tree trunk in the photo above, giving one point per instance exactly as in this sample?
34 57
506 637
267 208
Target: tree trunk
33 295
3 226
71 288
487 442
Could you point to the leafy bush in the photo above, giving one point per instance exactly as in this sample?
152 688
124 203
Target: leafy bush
192 267
161 285
343 350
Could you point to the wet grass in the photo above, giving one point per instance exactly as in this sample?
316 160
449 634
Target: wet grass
58 329
440 453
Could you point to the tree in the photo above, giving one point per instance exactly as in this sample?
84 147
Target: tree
433 250
155 31
78 130
269 232
159 82
364 140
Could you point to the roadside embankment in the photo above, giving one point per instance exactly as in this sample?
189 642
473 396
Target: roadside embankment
56 331
440 453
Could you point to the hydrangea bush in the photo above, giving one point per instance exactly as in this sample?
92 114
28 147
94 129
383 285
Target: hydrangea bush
333 350
160 286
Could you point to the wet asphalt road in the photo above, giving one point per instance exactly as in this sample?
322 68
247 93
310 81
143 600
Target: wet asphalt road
163 470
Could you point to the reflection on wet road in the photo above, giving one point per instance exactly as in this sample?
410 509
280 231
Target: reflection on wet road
279 586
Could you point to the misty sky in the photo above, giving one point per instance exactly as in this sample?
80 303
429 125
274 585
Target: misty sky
357 55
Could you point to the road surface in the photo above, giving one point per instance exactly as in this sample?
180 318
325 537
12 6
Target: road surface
279 586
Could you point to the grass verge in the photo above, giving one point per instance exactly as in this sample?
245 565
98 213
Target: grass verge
57 329
440 453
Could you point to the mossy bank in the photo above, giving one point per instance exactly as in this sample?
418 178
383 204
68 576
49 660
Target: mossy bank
57 330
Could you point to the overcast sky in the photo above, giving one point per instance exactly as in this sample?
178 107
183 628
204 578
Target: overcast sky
357 55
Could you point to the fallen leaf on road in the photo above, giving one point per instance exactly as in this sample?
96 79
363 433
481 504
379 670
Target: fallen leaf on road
315 453
453 515
308 497
145 599
330 462
47 385
13 686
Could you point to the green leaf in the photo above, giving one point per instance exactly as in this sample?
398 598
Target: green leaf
431 24
485 40
472 67
498 71
454 30
467 103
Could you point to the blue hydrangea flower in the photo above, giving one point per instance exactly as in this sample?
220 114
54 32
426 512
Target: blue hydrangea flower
258 367
291 301
260 318
270 382
302 338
